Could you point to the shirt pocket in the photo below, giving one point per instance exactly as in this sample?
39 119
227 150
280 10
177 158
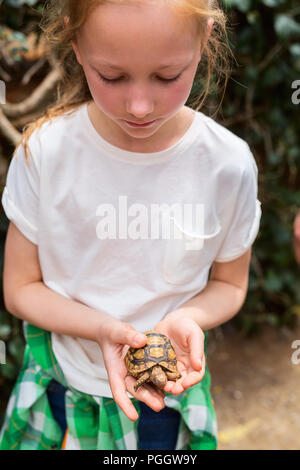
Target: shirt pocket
183 257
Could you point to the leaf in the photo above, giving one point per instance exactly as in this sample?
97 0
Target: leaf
5 331
242 5
273 3
295 49
274 158
20 3
251 73
286 27
16 348
8 370
272 319
272 283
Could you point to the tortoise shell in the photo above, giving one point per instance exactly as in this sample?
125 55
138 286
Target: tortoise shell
159 350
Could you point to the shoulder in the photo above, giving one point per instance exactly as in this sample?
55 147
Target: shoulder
52 135
228 153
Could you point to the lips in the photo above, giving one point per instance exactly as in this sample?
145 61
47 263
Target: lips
140 123
134 124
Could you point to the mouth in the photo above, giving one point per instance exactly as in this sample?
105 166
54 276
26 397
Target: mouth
134 124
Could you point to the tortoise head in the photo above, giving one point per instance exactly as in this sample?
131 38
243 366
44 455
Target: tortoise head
158 377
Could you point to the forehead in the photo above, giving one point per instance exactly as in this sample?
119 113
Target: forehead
120 33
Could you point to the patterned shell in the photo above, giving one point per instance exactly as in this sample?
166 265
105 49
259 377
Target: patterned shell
158 350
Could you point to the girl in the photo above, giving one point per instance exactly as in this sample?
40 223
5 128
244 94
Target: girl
86 277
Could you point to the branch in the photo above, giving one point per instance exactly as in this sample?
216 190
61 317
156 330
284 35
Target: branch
269 57
5 75
33 70
33 101
242 117
8 130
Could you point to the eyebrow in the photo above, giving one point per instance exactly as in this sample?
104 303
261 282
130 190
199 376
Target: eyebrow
115 67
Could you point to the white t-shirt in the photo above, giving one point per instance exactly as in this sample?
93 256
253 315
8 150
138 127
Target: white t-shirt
79 187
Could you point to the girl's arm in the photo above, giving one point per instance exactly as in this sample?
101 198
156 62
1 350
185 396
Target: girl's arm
223 296
28 298
220 300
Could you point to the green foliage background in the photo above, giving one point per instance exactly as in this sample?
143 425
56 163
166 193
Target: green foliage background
265 38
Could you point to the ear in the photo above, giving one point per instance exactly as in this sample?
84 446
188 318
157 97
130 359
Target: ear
76 50
73 42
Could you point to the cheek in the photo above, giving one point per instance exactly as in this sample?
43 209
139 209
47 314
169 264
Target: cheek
177 94
105 96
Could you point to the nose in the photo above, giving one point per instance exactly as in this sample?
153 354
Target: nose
140 103
140 114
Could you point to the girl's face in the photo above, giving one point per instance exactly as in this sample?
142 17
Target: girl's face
140 61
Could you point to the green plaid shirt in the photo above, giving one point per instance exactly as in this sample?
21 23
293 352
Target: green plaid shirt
94 423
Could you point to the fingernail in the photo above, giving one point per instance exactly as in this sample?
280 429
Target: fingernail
138 339
199 363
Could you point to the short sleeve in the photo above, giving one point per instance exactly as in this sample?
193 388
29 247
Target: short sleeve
20 198
245 214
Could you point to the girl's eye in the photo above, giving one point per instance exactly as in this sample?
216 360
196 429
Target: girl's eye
111 81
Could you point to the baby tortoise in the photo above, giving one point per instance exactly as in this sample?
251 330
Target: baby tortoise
155 362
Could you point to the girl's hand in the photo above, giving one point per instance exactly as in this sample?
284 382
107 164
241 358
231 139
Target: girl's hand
188 340
116 338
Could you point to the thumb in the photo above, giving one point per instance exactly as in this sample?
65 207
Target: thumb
129 335
196 347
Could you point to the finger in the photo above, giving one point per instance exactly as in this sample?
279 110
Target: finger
187 380
157 390
172 385
182 366
126 334
120 396
191 379
168 387
196 348
174 388
194 377
152 397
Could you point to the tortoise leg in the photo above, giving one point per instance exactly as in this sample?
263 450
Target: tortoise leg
142 379
173 375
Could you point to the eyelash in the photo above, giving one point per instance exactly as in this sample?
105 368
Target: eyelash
115 80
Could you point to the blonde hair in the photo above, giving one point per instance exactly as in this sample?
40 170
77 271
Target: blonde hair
72 88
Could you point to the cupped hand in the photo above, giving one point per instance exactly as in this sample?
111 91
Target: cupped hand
114 343
188 341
